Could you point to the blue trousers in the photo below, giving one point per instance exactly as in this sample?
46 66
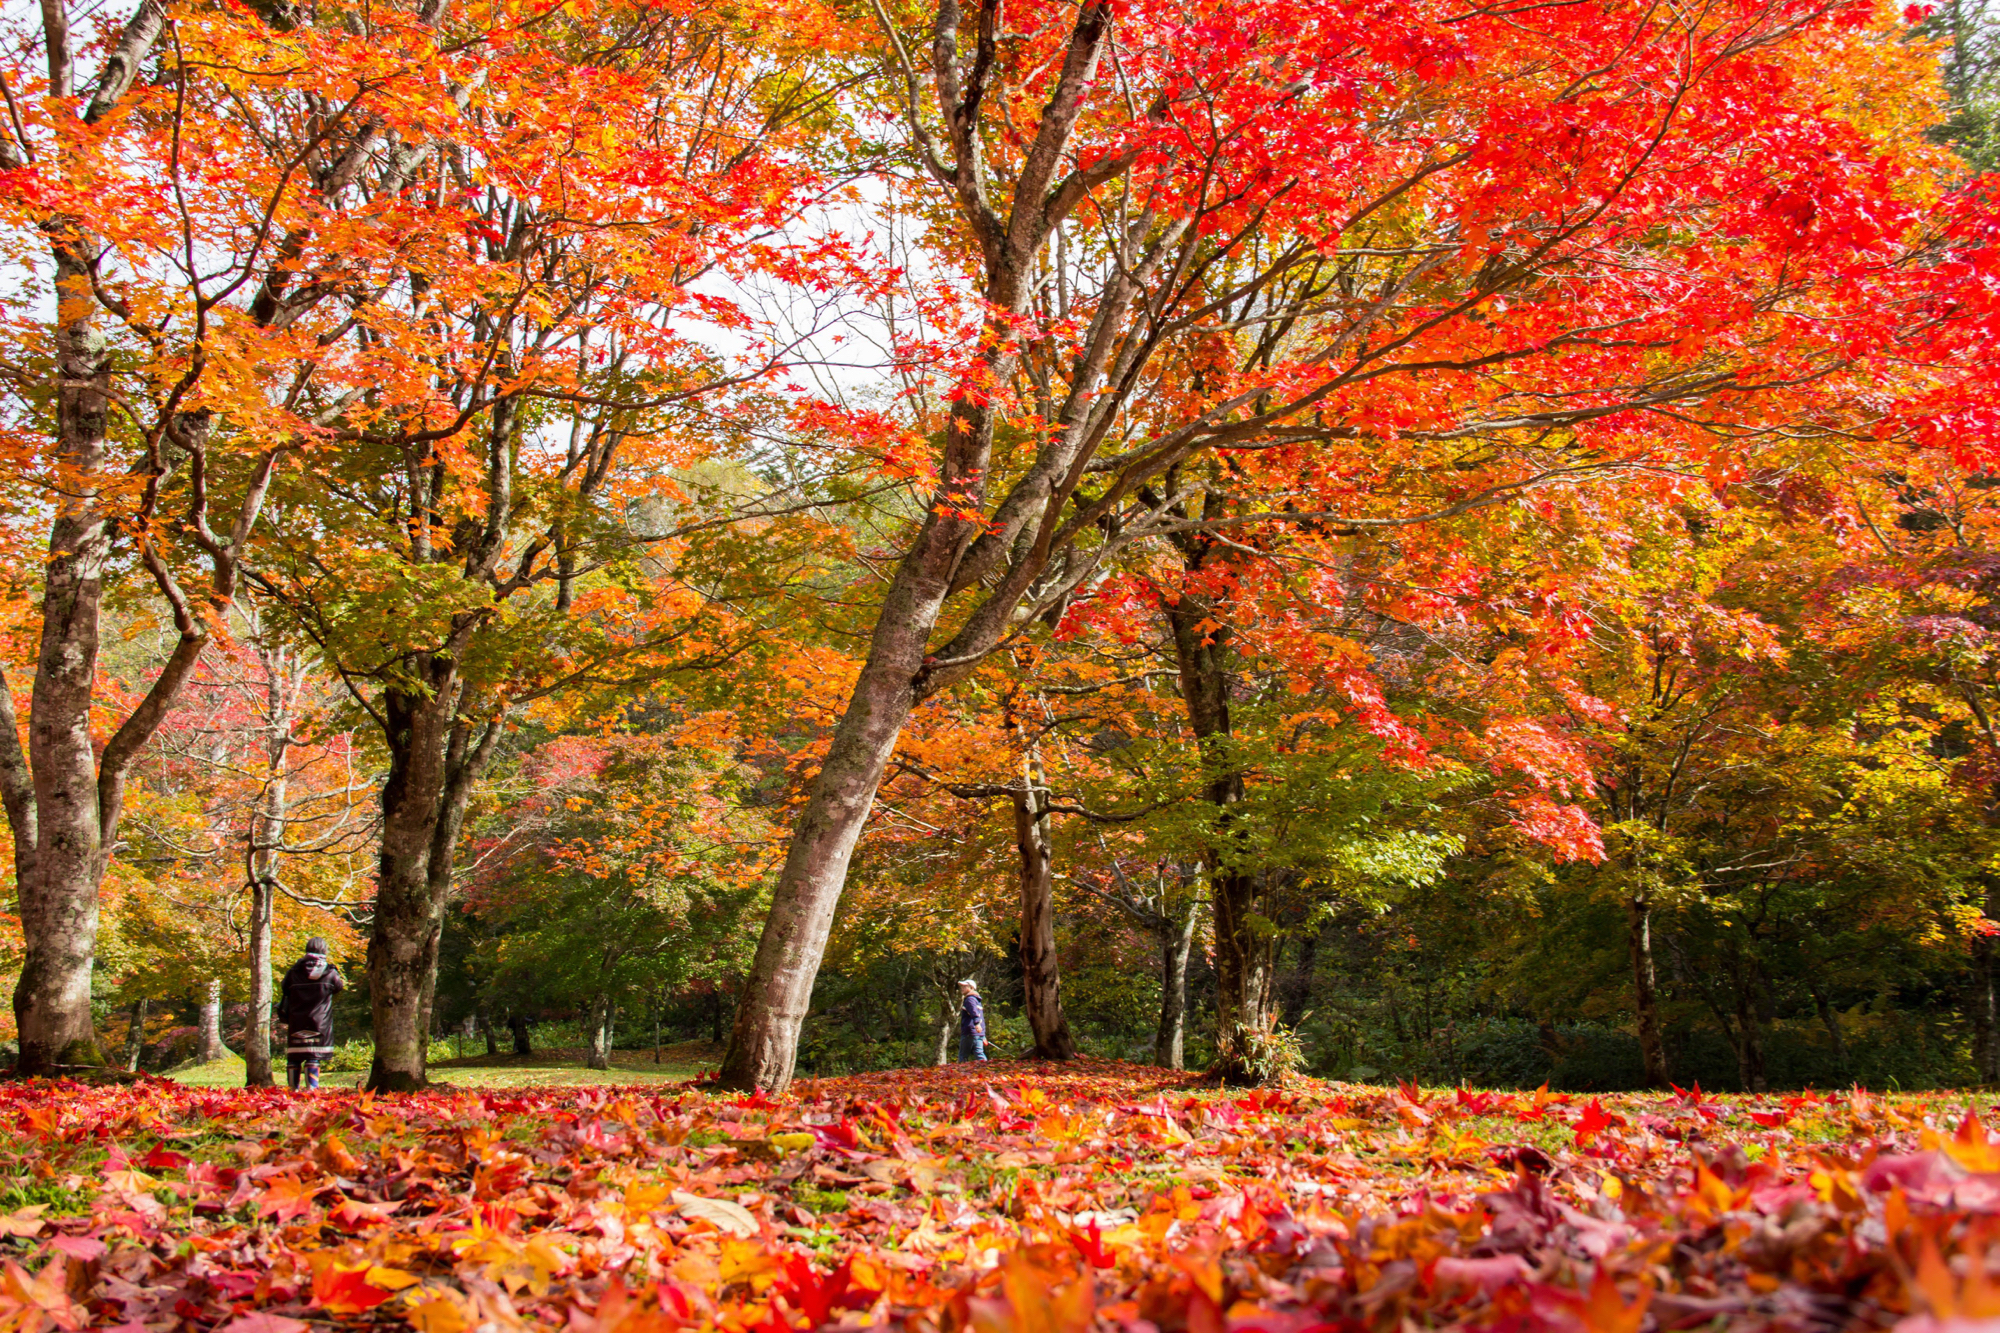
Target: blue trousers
971 1045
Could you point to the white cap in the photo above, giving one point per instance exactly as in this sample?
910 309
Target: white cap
970 982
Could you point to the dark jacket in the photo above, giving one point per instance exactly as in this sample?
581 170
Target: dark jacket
307 1007
971 1016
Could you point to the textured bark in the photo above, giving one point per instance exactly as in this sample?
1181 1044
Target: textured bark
209 1044
267 840
522 1043
763 1043
257 1041
1175 946
1245 941
956 548
1041 982
1645 989
434 762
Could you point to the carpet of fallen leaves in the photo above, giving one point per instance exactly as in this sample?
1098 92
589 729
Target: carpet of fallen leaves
1002 1198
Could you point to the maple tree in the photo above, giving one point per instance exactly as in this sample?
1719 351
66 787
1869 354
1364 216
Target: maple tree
1429 285
515 531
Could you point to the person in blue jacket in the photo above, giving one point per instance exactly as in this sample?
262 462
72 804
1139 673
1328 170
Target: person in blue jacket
971 1022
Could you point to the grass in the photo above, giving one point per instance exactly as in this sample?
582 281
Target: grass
556 1067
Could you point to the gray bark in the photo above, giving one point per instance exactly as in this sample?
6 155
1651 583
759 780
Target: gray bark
1041 982
209 1045
950 550
1645 989
1176 943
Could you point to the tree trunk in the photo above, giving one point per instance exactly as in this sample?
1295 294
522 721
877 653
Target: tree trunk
519 1026
1299 982
947 1026
135 1036
257 1042
1831 1022
433 764
209 1046
1749 1037
1041 985
763 1043
1245 966
1645 991
1245 961
1985 995
600 1033
486 1026
58 873
1175 945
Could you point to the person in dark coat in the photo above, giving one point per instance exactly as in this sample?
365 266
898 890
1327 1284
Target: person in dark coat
971 1022
306 1010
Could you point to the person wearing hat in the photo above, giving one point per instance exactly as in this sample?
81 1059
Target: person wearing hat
971 1022
307 1013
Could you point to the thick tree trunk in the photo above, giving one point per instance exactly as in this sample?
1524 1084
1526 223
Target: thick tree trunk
433 764
1041 984
763 1043
1645 989
1245 961
135 1036
1175 945
209 1046
1245 968
59 875
518 1025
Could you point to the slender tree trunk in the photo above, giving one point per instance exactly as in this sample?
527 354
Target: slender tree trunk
600 1033
492 1036
1176 943
1831 1022
257 1042
1984 1000
135 1036
1645 992
1041 984
1749 1044
947 1027
656 1007
1299 982
210 1047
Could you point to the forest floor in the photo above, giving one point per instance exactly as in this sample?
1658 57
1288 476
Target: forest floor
555 1067
1000 1198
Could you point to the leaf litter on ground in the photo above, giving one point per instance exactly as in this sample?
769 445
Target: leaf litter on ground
999 1198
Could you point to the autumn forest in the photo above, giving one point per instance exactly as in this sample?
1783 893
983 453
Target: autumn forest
1396 588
